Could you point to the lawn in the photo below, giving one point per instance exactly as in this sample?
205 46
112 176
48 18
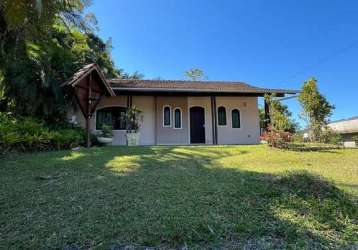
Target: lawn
195 197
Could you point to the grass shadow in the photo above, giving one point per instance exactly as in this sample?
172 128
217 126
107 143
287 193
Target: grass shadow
166 197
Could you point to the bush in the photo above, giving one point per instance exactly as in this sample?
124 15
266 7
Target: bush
355 139
28 134
330 137
298 138
277 138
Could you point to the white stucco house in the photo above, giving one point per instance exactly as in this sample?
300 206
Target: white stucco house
348 129
174 112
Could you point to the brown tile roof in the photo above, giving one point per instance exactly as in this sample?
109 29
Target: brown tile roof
179 86
83 72
192 86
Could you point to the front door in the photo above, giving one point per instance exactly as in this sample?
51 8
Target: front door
197 125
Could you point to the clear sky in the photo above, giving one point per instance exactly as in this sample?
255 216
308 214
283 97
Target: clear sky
274 43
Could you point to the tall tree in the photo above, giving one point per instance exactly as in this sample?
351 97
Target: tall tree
316 110
195 74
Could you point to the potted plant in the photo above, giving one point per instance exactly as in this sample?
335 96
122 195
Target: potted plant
132 125
106 135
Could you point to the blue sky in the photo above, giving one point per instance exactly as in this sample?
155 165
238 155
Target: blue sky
274 43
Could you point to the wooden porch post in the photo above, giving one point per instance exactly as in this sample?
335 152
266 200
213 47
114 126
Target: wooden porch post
88 117
214 120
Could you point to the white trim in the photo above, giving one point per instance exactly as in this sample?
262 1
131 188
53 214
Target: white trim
232 109
189 107
217 115
170 116
181 118
103 107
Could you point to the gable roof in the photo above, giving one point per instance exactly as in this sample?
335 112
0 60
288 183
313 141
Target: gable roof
172 86
345 126
85 71
182 86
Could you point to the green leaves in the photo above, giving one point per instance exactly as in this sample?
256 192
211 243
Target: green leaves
315 107
280 115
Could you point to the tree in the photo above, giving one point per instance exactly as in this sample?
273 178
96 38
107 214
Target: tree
195 74
281 117
41 46
316 110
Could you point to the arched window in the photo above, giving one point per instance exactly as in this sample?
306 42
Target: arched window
111 116
166 116
221 116
235 116
177 118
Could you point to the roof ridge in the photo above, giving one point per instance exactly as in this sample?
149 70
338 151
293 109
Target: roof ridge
345 119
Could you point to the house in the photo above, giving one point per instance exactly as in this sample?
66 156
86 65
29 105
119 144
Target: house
174 112
348 129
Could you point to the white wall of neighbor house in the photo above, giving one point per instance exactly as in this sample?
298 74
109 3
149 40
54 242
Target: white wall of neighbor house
249 131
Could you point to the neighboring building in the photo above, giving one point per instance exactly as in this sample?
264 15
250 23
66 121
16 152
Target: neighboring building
347 128
174 112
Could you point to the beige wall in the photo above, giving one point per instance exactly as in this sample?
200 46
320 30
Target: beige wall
171 135
249 131
147 118
152 126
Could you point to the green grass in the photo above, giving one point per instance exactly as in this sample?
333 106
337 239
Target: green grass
199 197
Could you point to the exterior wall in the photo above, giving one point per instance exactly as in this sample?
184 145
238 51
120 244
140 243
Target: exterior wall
119 136
171 135
205 103
147 119
347 129
153 132
249 132
348 140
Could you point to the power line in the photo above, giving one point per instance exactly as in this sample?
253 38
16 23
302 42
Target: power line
325 59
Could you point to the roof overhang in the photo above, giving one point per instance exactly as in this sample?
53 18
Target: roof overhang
201 92
84 72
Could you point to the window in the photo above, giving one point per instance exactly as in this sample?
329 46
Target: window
235 116
177 118
166 116
221 116
112 116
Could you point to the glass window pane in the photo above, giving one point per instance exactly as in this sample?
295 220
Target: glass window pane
222 116
177 115
166 116
111 116
235 118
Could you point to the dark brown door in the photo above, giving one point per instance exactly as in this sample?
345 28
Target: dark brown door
197 125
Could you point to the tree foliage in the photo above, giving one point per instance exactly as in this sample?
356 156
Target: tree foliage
42 44
195 74
316 110
281 117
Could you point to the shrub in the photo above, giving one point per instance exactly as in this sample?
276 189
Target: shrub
29 134
276 138
330 137
298 138
106 131
355 139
